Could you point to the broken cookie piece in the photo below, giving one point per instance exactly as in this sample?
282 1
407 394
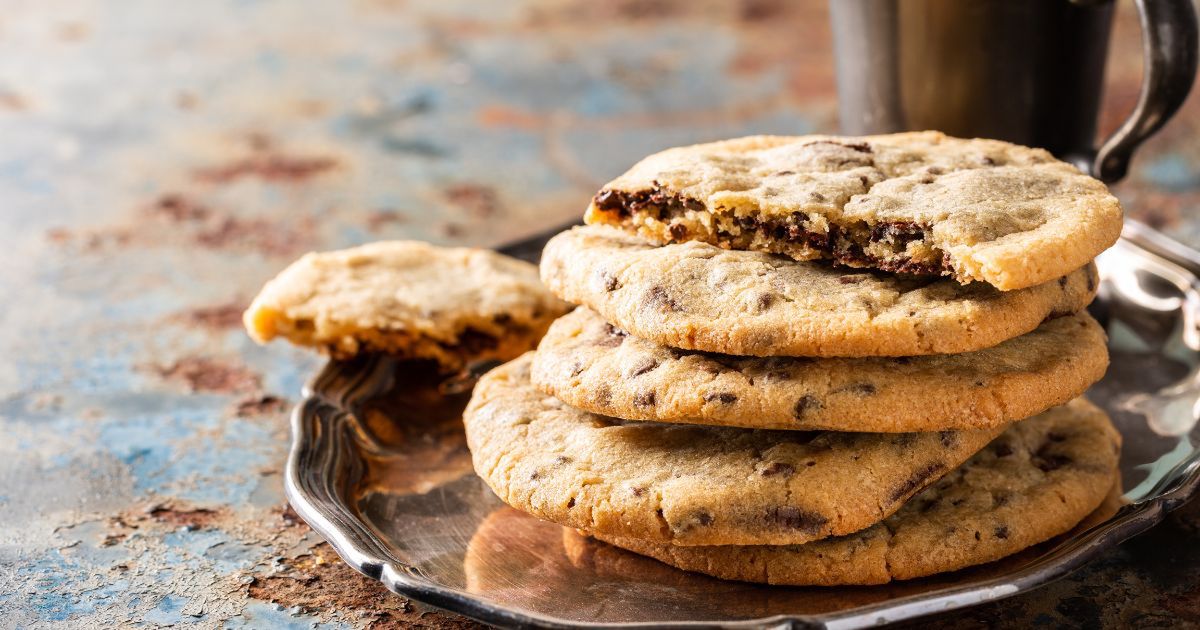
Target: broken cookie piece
912 203
407 298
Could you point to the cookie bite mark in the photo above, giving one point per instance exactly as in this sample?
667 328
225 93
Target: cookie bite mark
916 203
653 202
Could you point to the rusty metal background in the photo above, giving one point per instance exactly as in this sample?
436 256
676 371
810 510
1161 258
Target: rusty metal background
160 160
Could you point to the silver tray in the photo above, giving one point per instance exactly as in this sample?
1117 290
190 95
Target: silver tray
379 467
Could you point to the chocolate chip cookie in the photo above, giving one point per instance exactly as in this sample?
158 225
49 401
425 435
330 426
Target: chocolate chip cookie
590 364
698 296
1037 480
915 203
408 298
693 485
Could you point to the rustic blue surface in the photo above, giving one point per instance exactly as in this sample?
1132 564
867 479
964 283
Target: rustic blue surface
160 160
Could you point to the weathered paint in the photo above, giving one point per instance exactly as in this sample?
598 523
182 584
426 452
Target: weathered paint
161 160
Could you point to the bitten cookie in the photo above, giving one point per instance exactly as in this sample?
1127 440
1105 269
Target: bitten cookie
693 485
589 364
408 298
1037 480
917 203
697 296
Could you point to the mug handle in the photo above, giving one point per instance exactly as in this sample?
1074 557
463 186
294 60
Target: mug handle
1169 53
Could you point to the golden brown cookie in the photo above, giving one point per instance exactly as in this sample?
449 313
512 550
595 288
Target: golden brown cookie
697 296
407 298
588 363
920 203
1037 480
693 485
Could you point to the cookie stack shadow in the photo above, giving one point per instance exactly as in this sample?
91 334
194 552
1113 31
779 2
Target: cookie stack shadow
779 371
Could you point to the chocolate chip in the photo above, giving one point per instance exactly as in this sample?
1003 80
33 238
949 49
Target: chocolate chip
805 403
641 368
533 476
850 279
562 459
979 383
502 318
777 468
1050 462
1001 532
1091 279
1001 499
861 389
915 481
764 301
1002 449
793 517
722 397
637 491
607 200
473 341
935 170
603 395
611 283
1062 282
571 503
1055 436
612 338
657 296
704 518
645 399
977 536
860 147
948 438
782 173
816 197
678 231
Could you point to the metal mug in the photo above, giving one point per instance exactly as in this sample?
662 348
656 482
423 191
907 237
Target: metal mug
1026 71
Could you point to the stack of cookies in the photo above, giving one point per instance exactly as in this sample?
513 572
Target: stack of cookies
817 360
